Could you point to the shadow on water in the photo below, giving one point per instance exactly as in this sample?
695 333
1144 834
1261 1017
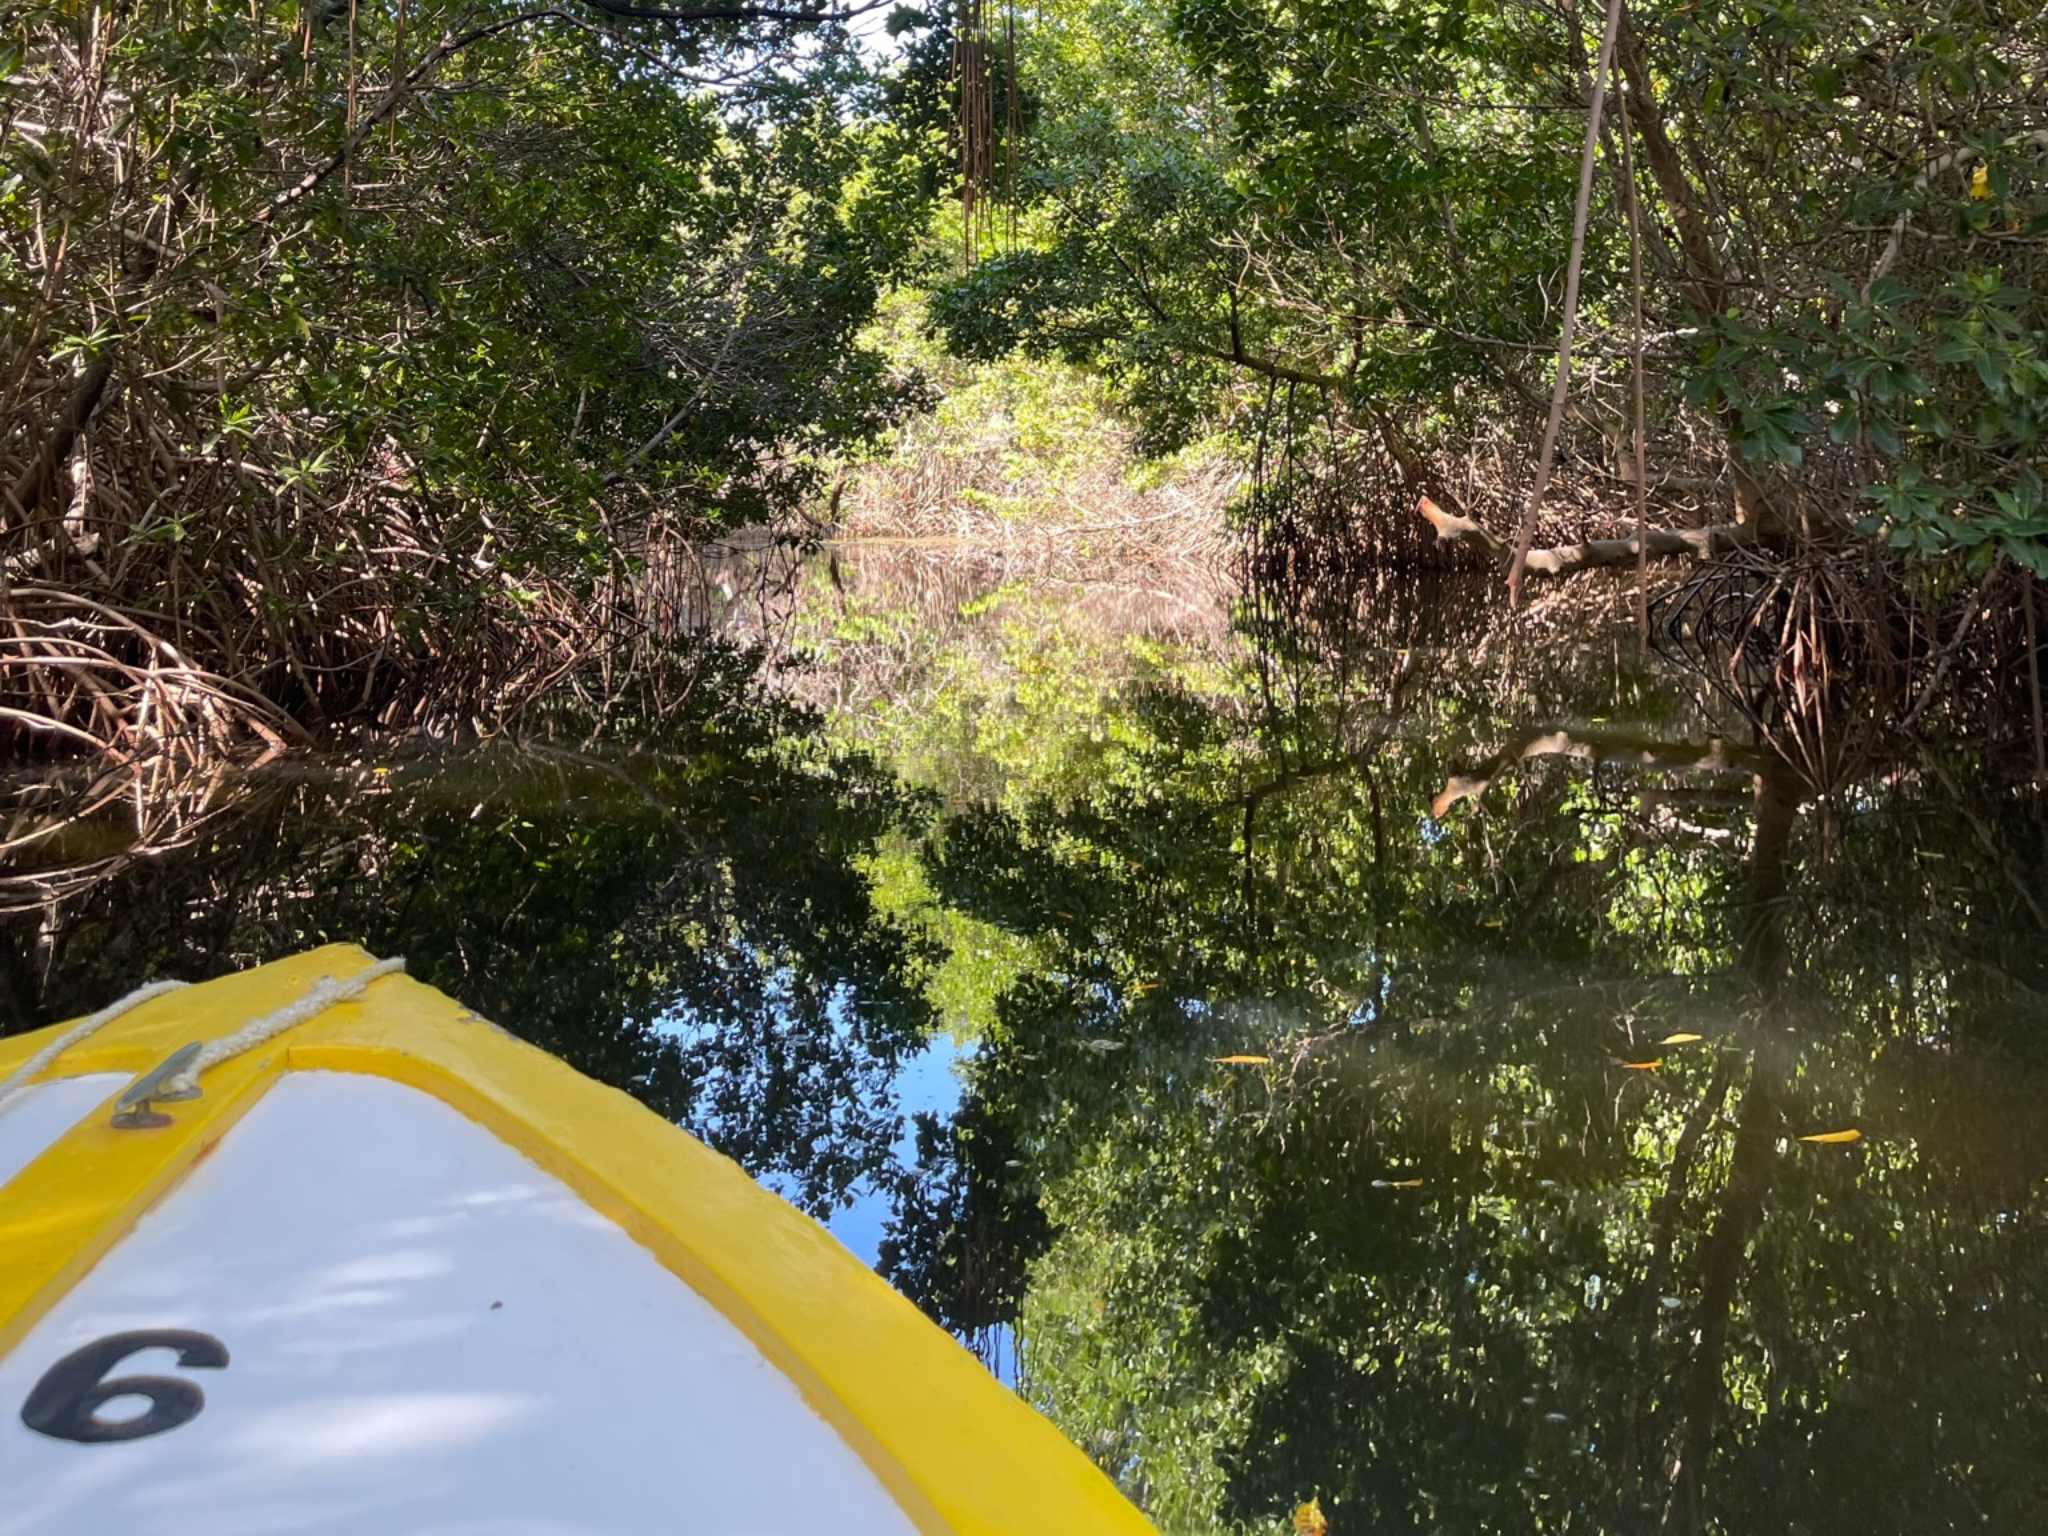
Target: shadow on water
1441 1068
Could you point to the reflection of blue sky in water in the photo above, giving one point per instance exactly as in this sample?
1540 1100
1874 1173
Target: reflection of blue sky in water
927 1082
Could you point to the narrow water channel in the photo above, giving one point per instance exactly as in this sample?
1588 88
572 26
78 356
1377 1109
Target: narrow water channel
1450 1073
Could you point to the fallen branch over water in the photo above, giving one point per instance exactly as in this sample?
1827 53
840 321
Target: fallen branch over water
1603 748
1591 554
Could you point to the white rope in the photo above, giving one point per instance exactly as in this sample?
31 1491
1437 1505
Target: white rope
18 1078
322 994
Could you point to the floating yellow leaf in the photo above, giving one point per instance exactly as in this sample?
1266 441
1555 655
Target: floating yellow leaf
1680 1039
1397 1183
1644 1066
1980 186
1242 1061
1834 1138
1309 1519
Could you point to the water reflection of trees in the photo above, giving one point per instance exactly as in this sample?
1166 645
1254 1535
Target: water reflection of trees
694 923
1457 1256
1447 1250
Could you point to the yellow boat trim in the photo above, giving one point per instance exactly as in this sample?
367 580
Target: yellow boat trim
961 1454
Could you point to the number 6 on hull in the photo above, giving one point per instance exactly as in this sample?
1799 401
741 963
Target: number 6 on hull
64 1404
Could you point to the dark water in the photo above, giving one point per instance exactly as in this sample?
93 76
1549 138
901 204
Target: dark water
1630 1135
